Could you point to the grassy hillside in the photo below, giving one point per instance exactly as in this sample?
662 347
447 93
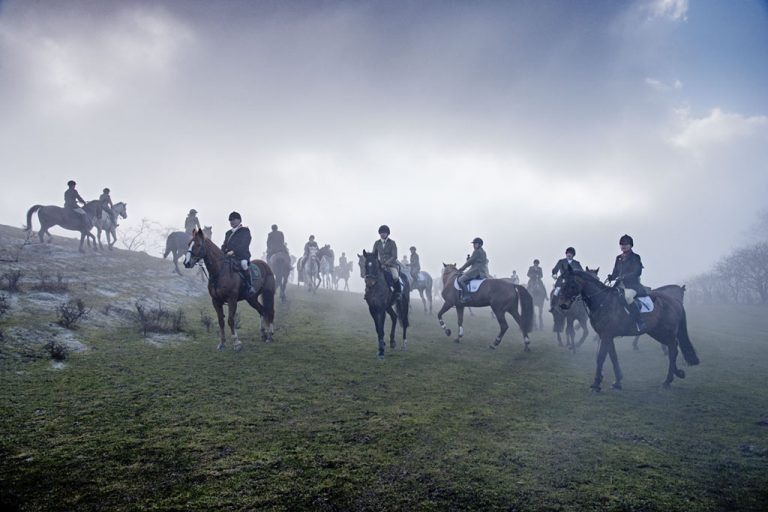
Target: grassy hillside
315 421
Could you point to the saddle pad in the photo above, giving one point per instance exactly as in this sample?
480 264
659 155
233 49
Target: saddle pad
645 303
421 277
474 284
255 275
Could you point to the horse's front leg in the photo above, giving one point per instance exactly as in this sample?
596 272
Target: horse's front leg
379 319
672 370
615 361
423 300
602 351
231 316
460 317
219 307
446 306
393 317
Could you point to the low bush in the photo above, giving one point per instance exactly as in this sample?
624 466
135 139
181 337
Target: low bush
10 280
71 312
159 319
57 350
47 284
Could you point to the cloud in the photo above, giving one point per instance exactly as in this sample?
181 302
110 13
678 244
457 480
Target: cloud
675 10
88 62
660 86
700 134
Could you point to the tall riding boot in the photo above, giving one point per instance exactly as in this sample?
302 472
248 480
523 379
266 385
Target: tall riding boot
248 284
397 289
634 312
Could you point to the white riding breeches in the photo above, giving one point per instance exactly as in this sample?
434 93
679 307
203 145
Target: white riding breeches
244 264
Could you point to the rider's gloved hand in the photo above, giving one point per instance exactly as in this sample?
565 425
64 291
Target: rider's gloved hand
610 277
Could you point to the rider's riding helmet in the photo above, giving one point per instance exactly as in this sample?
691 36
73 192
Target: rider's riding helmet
413 248
235 215
384 229
71 183
311 237
274 227
193 212
478 240
535 262
106 191
626 239
571 250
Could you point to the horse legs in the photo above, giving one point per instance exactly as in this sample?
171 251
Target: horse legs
673 370
635 346
570 334
393 317
616 368
460 317
503 326
446 306
231 314
423 300
584 334
512 310
602 351
219 307
429 298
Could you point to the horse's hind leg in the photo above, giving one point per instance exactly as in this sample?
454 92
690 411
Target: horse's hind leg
503 326
393 317
672 371
423 300
601 353
460 317
616 368
220 315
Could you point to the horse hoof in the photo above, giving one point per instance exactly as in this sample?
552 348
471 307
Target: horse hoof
680 374
594 389
447 332
666 385
220 347
238 347
527 348
457 340
616 385
492 346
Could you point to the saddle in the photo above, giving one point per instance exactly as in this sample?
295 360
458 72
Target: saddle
472 285
644 303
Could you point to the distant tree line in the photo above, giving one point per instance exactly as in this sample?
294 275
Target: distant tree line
739 277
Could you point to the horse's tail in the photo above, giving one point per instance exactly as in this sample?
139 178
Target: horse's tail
31 211
268 298
403 305
168 247
526 309
686 347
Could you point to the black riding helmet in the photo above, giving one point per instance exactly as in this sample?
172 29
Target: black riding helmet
570 250
384 229
71 182
535 262
413 248
106 191
274 227
626 239
235 215
193 212
478 240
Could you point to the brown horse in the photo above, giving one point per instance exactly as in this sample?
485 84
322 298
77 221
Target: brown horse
280 263
66 218
566 318
225 285
176 245
502 295
666 323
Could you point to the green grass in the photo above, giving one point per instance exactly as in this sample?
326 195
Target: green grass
315 421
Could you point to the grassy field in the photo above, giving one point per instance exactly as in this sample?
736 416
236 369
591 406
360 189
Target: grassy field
314 421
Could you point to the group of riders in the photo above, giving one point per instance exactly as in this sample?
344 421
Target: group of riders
73 201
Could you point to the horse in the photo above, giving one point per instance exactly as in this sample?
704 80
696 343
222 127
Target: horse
280 263
565 318
500 294
105 223
326 272
539 294
177 243
422 284
667 323
342 272
382 301
309 271
225 287
66 218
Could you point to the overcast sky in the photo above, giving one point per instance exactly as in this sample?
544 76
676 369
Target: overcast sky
535 125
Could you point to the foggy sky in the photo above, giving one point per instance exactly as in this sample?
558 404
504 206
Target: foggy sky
534 125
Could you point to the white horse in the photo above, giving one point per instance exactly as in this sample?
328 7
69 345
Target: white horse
326 271
105 222
310 271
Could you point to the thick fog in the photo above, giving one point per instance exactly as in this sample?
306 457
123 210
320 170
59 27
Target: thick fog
534 125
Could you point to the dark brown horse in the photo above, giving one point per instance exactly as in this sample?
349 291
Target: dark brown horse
502 295
567 318
280 263
539 295
177 243
666 323
66 218
382 301
225 285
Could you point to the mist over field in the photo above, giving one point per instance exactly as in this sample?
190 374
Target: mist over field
534 125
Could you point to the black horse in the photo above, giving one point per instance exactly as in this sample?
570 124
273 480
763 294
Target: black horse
177 244
566 319
381 300
666 323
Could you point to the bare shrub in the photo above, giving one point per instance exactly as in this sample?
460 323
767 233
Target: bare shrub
57 350
47 284
159 319
206 320
71 312
4 306
10 280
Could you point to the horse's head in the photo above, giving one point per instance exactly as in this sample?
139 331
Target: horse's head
574 284
207 231
196 249
449 270
370 267
121 209
594 271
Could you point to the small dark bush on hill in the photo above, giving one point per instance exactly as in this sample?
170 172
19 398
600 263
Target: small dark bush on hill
206 320
57 350
47 284
71 312
159 319
9 281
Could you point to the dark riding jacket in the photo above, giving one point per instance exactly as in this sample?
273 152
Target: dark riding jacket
562 267
71 197
275 242
535 272
308 245
477 263
415 265
387 252
239 242
628 271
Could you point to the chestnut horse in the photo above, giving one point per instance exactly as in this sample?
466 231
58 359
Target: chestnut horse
667 323
280 263
501 294
225 287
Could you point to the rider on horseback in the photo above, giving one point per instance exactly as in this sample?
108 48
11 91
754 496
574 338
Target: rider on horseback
191 222
414 264
237 243
71 198
310 244
106 204
561 267
626 273
535 275
386 249
275 242
478 268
